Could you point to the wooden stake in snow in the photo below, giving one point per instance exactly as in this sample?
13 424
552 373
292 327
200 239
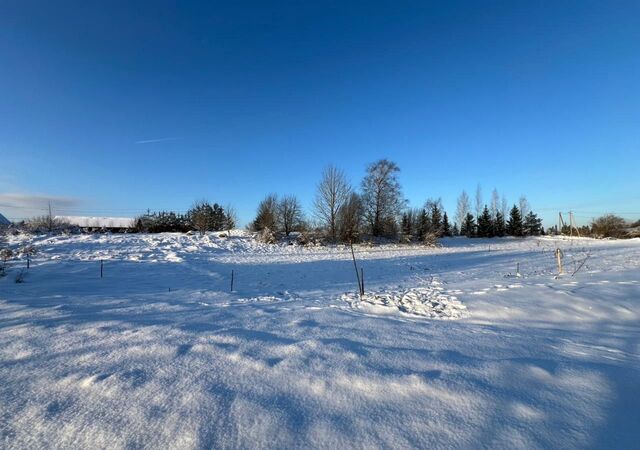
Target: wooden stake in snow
518 269
101 268
231 280
355 266
28 260
361 281
559 256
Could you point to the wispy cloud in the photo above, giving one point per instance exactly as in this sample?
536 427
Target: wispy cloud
153 141
21 205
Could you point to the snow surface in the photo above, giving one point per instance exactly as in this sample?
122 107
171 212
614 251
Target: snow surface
159 353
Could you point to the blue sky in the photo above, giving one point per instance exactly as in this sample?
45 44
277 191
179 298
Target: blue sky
111 108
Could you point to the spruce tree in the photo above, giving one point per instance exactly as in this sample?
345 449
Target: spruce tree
499 227
469 226
446 227
484 223
532 225
406 224
455 231
424 224
436 220
514 225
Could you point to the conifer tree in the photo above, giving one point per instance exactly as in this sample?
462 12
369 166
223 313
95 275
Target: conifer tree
455 231
446 227
485 227
436 219
424 224
514 225
267 215
468 226
532 225
499 227
405 225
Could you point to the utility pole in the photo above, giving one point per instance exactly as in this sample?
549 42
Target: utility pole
572 223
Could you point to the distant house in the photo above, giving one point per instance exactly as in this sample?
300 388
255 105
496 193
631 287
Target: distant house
114 224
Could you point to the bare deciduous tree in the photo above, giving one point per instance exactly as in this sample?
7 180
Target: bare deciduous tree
231 218
524 206
290 213
464 207
382 197
479 203
504 206
332 193
495 204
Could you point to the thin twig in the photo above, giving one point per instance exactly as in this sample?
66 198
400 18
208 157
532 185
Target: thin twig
355 266
581 264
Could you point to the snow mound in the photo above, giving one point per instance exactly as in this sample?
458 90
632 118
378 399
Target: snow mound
429 302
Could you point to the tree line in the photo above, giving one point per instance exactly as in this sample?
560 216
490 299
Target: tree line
202 217
376 209
379 210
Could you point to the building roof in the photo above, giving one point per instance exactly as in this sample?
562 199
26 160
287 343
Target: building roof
4 220
97 222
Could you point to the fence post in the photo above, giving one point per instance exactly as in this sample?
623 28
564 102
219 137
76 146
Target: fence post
559 260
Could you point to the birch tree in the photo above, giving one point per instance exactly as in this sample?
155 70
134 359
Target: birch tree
382 197
332 193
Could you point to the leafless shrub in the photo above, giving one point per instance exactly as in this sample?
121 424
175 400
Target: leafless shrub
20 276
350 219
266 236
47 224
431 240
310 238
29 250
6 254
609 225
231 218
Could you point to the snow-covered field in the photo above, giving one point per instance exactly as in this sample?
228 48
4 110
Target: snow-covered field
449 348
